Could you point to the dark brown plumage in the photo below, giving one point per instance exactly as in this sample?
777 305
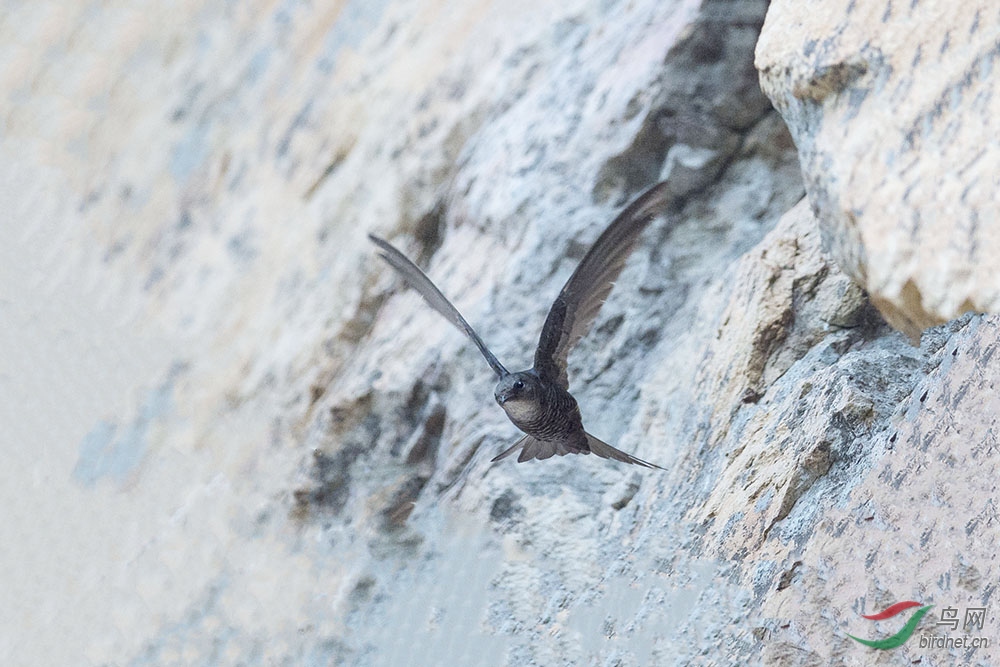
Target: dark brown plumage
537 400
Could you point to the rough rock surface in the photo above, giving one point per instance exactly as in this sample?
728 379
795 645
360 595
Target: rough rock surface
895 111
232 438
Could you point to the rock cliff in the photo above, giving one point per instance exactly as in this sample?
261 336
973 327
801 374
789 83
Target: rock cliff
233 437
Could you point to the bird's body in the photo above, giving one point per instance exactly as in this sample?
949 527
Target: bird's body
537 400
548 413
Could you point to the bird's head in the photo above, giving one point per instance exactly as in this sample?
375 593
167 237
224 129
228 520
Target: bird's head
518 393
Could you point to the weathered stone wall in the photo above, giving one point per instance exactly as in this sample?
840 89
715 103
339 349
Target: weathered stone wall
233 438
895 113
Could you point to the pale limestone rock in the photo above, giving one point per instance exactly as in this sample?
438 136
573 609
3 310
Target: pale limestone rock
895 110
787 299
920 523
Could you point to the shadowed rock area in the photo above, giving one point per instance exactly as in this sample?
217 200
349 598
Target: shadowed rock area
234 437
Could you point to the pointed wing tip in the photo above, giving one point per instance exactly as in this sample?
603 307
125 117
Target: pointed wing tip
633 460
381 242
645 464
386 250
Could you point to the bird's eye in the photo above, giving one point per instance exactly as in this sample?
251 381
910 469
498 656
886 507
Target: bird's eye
518 384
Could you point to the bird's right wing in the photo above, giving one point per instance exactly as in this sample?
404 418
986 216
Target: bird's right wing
576 307
416 279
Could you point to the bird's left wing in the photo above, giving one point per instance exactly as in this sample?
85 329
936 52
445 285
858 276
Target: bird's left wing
577 305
